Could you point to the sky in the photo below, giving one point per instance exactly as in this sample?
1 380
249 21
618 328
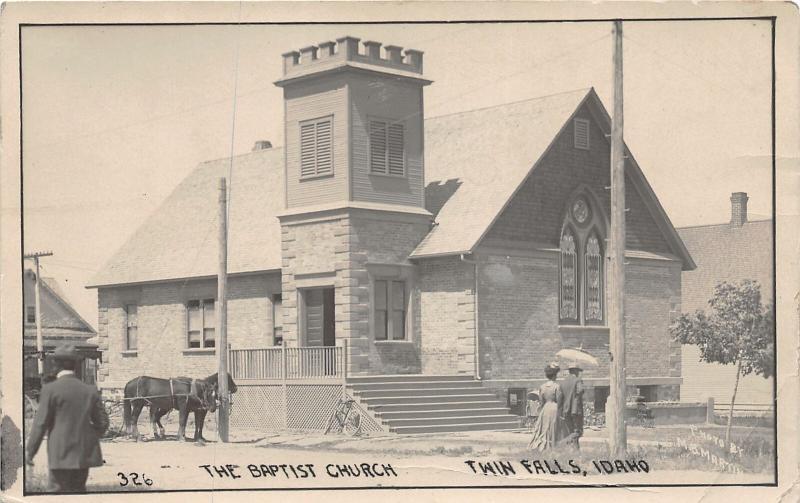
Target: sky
114 117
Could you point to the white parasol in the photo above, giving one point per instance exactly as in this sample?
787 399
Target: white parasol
583 359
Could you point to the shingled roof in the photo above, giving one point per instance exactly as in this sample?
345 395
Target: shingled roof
475 162
179 239
485 156
487 153
726 252
59 317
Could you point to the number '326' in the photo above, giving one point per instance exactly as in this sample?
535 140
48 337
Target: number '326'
134 478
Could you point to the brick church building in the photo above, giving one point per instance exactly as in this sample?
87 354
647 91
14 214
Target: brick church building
470 244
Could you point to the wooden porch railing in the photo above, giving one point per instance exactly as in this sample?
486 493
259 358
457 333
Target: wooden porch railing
318 362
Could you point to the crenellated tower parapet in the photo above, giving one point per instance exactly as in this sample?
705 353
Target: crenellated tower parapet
350 51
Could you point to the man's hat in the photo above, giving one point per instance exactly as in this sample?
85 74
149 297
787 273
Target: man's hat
66 352
574 365
553 365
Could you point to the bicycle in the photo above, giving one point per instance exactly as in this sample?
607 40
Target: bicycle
345 418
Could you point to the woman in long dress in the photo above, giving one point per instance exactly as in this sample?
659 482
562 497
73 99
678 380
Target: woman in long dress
547 429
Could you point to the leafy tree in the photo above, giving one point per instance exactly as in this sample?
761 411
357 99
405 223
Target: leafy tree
737 331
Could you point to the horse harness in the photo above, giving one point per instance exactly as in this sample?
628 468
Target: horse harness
193 392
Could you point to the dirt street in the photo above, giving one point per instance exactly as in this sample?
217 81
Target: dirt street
303 460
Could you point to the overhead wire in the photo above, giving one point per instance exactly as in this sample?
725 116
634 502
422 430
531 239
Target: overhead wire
650 49
237 96
50 142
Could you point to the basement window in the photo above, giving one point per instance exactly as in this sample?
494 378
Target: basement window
649 393
581 129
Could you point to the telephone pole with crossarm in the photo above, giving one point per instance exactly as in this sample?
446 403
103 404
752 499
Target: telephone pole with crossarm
222 315
39 338
616 258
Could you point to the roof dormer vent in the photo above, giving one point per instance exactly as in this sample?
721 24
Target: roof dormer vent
262 145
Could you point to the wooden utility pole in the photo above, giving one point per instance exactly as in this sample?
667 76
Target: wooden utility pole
222 314
616 257
39 338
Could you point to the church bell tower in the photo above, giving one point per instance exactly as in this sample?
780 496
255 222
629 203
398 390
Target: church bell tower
354 193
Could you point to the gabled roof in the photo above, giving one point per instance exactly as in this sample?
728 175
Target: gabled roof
726 252
52 291
51 285
486 155
180 239
475 162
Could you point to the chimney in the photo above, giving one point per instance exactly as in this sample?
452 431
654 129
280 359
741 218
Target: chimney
262 145
739 208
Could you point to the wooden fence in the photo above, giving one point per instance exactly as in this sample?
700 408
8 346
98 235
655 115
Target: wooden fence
282 363
744 409
290 388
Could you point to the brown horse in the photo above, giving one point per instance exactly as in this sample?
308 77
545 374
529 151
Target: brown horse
162 395
199 412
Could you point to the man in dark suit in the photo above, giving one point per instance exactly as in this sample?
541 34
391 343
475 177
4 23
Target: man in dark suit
72 415
572 387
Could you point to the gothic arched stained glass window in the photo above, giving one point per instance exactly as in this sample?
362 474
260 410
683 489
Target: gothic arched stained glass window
569 277
593 263
581 270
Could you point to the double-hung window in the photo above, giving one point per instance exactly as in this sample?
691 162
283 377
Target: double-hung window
201 323
30 314
390 310
277 320
316 147
131 327
387 147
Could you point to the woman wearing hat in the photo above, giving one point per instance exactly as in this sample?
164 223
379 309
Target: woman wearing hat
547 430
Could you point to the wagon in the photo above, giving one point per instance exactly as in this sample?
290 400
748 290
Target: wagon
33 382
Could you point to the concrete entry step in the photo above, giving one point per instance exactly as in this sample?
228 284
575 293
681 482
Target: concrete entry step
366 394
456 427
432 404
385 400
406 377
435 421
422 407
436 413
367 386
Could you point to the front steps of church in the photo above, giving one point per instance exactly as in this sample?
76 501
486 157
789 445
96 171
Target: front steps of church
432 404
